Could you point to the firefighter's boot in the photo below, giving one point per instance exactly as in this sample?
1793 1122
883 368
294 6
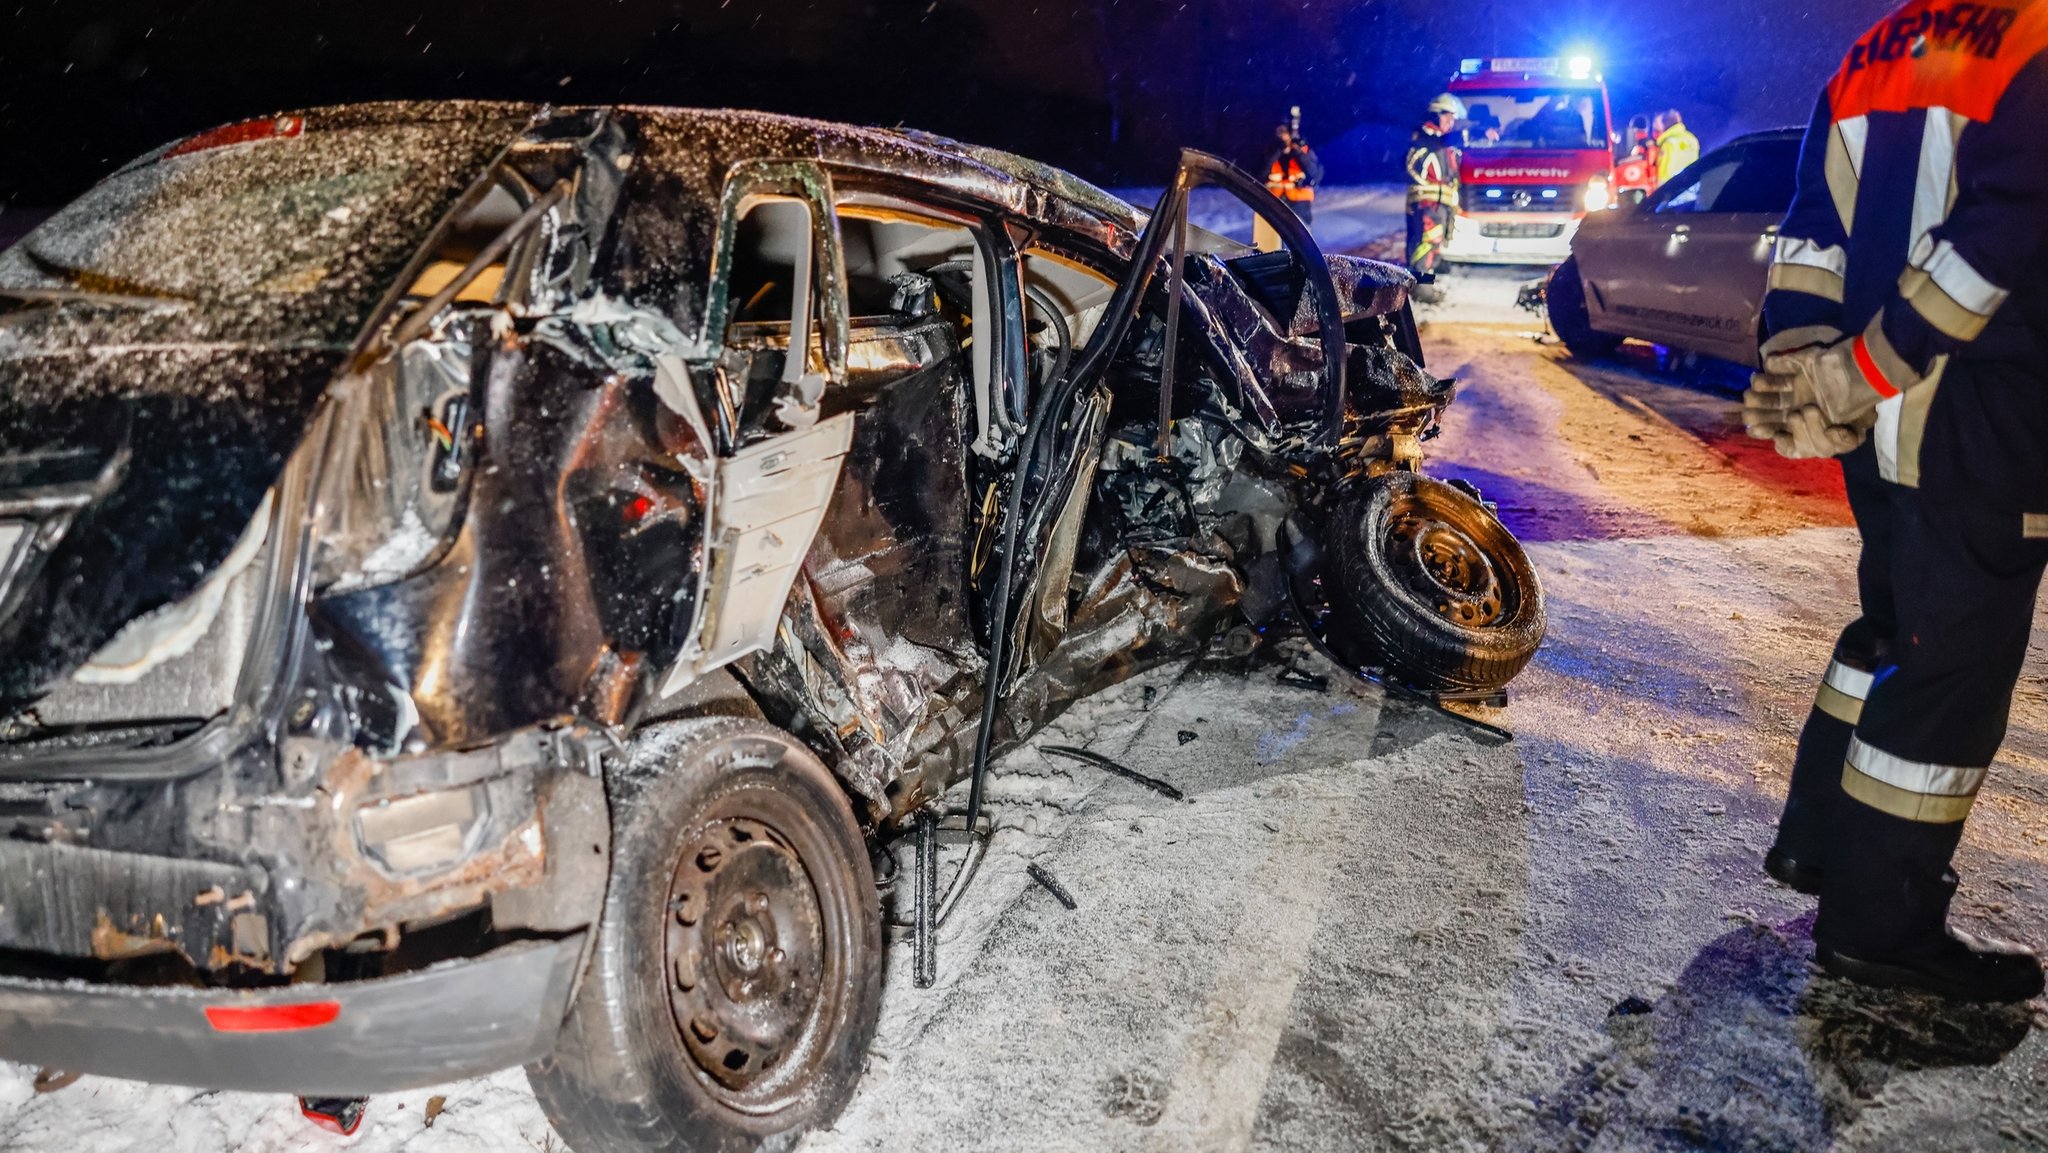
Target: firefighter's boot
1795 858
1884 913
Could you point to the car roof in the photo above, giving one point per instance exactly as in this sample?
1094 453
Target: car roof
1023 186
1769 136
1015 183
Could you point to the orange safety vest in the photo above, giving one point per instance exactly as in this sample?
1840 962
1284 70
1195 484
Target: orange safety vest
1282 181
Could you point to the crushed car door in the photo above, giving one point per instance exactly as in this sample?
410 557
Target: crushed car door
774 338
1068 417
932 359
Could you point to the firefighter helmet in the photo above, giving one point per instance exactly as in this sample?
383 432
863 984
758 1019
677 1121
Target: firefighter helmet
1447 103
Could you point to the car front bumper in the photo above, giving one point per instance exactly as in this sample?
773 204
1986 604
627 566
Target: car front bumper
451 1020
1523 238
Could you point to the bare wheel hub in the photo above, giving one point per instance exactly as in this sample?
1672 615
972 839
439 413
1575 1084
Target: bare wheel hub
1444 567
746 949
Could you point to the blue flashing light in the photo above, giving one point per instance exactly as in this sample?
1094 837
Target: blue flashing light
1471 65
1550 194
1493 194
1580 67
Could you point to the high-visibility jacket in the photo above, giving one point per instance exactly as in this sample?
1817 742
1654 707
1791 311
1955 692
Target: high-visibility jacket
1432 167
1294 175
1677 148
1918 230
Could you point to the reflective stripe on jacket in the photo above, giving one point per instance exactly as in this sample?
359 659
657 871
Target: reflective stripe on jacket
1432 167
1917 230
1293 175
1289 182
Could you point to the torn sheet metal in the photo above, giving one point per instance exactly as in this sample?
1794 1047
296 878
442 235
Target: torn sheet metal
516 518
768 500
189 311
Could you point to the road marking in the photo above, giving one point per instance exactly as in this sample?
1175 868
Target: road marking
1229 1054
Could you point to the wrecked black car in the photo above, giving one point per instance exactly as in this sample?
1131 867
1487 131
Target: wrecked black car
477 581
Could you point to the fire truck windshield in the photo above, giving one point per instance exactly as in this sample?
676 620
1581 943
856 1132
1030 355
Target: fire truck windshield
1535 118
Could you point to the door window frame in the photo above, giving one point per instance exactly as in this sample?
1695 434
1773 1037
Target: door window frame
819 304
1001 380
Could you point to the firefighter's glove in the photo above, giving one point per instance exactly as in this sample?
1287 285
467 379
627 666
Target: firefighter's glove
1807 434
1825 378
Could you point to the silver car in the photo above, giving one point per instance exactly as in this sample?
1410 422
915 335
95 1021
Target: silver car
1686 267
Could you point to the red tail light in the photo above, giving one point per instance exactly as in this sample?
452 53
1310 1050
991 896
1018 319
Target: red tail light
248 131
272 1018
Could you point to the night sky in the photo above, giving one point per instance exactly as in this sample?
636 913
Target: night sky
1108 88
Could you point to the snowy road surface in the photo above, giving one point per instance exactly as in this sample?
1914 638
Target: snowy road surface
1368 928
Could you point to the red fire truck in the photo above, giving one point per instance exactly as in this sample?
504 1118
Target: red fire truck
1539 156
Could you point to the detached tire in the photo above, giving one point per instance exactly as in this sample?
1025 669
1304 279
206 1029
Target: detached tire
1565 299
735 983
1430 586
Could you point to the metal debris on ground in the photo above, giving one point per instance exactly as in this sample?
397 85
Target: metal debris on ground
1058 891
1187 736
1402 692
946 897
1101 762
1302 680
925 937
1631 1006
343 1115
1392 687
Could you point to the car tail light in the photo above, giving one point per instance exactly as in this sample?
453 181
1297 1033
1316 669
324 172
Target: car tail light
272 1018
246 132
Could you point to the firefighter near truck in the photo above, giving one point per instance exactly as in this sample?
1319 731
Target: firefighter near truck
1538 156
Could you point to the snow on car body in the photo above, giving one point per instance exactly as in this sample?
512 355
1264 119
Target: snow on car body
1539 157
482 575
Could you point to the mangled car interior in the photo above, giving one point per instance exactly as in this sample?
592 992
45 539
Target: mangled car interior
506 576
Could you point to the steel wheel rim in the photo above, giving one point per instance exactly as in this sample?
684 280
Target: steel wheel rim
1444 567
749 954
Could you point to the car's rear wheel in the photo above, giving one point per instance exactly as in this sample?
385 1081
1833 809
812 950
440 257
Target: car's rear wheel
1428 584
1566 301
736 979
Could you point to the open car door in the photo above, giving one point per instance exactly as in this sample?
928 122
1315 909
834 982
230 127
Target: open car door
1066 428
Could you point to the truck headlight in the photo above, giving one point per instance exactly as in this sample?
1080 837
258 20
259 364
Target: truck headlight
1599 197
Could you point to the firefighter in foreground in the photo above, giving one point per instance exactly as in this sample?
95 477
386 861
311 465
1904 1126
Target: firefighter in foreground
1433 155
1292 171
1908 313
